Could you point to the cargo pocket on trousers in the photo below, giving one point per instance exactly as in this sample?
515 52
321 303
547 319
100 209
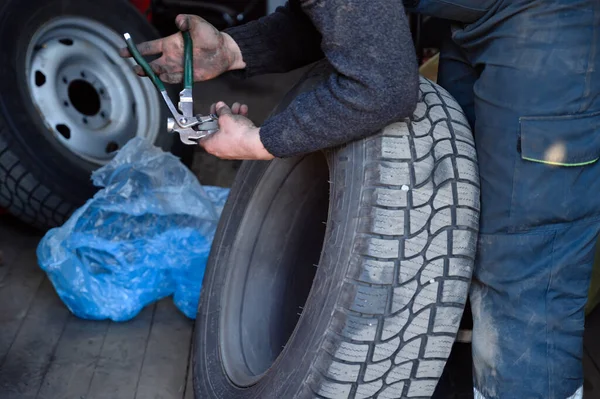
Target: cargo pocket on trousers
556 178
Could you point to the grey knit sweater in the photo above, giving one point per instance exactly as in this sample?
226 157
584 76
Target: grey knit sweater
374 79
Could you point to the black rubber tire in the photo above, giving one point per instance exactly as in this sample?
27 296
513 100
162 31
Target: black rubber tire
402 211
39 183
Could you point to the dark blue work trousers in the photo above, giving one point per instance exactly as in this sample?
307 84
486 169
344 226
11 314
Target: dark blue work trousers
527 74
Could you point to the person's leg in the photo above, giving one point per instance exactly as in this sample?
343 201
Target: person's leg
537 132
528 297
457 76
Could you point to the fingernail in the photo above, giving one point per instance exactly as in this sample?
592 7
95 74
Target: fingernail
181 20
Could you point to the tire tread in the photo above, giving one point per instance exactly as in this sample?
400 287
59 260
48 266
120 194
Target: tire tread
413 258
19 190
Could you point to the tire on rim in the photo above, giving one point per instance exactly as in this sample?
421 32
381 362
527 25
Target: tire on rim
344 273
68 101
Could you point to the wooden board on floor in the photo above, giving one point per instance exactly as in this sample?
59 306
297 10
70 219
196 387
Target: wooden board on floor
18 288
75 359
164 371
47 353
118 367
32 351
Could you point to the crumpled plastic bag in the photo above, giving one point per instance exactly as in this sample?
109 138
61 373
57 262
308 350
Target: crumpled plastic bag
145 235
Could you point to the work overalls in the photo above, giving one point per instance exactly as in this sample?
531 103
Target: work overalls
527 74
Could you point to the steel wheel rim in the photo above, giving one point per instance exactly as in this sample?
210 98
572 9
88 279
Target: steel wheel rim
86 94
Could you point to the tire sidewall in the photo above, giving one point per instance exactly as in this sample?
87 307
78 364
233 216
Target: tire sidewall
62 171
286 377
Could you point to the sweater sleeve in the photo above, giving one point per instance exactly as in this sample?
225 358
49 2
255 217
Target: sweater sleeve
373 80
279 42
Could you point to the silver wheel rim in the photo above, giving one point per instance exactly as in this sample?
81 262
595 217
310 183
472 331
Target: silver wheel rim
87 95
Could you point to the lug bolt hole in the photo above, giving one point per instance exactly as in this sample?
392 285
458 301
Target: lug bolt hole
64 130
65 80
112 147
85 120
102 114
66 103
82 74
40 78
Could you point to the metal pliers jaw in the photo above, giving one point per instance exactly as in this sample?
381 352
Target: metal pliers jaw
190 127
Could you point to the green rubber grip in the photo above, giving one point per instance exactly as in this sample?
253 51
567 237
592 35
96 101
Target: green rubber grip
142 63
188 61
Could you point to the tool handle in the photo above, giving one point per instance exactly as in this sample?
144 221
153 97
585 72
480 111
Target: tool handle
188 61
142 63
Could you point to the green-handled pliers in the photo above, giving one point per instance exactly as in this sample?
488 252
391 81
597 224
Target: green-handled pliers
189 126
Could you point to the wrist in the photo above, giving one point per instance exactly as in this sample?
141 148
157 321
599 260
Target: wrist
260 149
234 54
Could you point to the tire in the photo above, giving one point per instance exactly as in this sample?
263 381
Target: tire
52 136
389 221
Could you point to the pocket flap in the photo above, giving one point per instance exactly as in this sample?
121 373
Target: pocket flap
567 140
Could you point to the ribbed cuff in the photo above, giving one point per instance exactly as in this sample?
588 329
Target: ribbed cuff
272 140
255 53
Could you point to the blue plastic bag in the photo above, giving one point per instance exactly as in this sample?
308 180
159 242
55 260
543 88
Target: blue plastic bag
144 236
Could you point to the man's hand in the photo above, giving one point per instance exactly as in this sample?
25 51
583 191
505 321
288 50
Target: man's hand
214 52
237 137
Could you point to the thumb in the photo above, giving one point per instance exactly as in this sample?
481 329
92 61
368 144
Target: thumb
184 22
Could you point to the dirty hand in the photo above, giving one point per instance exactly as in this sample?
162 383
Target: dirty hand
214 52
237 137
